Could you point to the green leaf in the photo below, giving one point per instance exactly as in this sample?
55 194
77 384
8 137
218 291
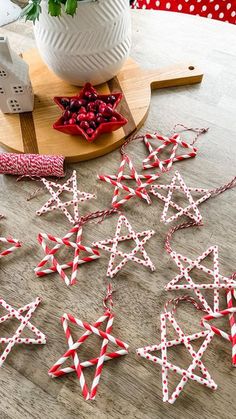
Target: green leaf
32 11
70 7
54 7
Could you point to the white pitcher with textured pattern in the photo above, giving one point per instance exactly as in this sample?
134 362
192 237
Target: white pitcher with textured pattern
89 47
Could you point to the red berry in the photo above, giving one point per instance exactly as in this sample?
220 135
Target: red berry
81 117
102 108
72 121
90 132
74 115
66 114
73 104
84 125
90 116
113 119
91 107
100 120
93 125
82 102
65 102
82 110
99 102
88 95
111 99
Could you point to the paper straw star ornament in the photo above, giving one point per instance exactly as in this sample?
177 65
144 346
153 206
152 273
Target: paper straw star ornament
55 203
188 373
154 158
57 370
111 246
185 279
117 181
81 254
39 337
190 210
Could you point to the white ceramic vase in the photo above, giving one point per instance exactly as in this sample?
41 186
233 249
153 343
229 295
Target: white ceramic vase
89 47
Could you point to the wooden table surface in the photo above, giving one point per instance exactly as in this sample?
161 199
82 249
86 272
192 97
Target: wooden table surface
130 386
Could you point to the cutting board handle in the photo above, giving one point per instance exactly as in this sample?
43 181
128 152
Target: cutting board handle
178 75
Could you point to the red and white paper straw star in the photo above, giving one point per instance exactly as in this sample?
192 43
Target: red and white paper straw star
76 245
187 374
55 202
153 160
78 367
219 281
139 191
191 210
24 323
103 244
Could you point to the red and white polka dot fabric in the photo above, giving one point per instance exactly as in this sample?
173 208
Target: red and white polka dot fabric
224 10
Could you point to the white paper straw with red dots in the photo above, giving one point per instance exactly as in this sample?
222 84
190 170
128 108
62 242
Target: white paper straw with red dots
24 323
183 211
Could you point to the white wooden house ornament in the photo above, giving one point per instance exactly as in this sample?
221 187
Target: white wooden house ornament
16 94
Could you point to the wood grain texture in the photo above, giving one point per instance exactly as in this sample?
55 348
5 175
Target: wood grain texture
130 386
134 83
28 133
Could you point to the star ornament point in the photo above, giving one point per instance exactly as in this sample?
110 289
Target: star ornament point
188 373
190 210
14 245
111 246
219 281
38 339
55 203
78 366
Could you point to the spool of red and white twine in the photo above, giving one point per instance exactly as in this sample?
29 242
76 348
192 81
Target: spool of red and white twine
31 165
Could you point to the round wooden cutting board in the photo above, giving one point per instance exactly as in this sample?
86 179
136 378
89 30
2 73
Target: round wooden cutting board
33 132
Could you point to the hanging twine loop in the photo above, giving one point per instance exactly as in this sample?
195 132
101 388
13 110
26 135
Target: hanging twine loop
98 214
221 189
174 302
173 230
130 140
108 298
198 131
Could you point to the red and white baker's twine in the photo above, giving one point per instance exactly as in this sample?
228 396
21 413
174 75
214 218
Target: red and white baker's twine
24 322
31 165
